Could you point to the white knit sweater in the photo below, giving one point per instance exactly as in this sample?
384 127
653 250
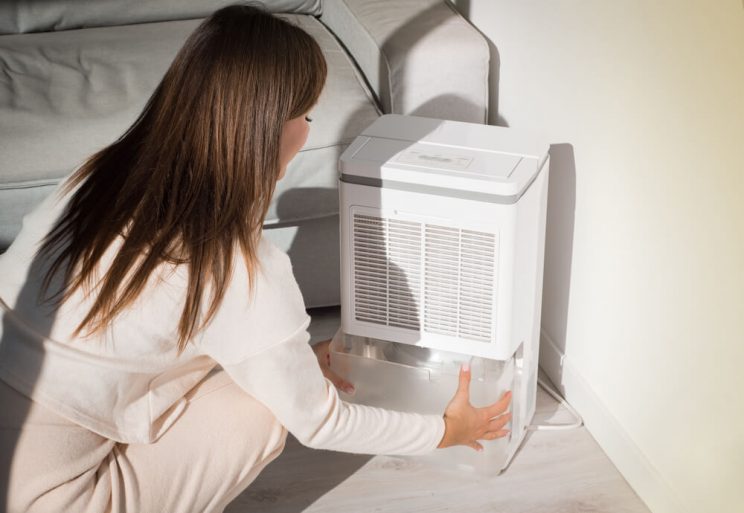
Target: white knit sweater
126 383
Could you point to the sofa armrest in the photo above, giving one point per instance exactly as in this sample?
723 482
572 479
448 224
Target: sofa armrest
419 57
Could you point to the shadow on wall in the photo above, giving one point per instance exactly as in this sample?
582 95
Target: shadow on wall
494 117
559 236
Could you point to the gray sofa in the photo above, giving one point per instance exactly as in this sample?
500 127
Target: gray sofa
75 74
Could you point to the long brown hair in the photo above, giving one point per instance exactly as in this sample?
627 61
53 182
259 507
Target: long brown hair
193 177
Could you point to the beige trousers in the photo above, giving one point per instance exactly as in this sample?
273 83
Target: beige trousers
219 445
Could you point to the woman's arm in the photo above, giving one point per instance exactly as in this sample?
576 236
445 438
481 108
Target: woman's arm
287 379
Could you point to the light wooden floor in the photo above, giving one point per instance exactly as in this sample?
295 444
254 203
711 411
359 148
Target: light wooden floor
553 472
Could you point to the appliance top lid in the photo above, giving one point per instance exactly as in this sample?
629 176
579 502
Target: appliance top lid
441 153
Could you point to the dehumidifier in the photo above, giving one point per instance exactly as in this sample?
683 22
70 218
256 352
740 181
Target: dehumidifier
442 230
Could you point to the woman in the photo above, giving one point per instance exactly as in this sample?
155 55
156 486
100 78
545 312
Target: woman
153 351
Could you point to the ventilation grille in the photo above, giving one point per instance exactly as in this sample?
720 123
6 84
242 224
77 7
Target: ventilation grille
458 288
392 257
387 271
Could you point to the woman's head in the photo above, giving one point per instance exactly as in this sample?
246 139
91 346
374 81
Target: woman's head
191 180
248 78
249 73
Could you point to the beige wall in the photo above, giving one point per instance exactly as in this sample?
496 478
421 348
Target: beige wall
644 279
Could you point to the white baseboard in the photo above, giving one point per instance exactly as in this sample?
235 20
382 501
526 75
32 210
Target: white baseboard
637 470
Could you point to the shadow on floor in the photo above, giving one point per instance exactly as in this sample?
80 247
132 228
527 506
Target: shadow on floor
297 479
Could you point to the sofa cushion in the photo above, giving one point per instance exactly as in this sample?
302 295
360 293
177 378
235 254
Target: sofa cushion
20 16
67 94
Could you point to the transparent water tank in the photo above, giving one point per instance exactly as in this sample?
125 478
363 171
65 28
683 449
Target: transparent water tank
409 378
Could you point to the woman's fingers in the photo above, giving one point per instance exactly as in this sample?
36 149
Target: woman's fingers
339 382
324 359
493 435
321 352
499 406
463 386
323 347
468 423
476 446
499 422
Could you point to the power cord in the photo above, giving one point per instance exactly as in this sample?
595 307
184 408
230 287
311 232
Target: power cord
556 427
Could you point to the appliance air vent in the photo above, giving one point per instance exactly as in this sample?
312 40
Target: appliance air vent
396 261
387 271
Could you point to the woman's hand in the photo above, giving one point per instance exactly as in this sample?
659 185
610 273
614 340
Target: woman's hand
324 360
464 424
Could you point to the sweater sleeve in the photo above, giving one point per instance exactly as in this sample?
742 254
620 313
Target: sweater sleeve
288 380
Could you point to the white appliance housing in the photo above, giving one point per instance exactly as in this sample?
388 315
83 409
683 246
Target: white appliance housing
442 235
442 230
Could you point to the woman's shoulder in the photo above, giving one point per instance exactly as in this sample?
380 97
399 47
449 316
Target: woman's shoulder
272 259
271 250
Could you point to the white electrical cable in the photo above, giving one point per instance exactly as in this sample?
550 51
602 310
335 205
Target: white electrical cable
555 427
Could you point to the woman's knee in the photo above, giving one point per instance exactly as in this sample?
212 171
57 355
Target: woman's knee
258 429
228 413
